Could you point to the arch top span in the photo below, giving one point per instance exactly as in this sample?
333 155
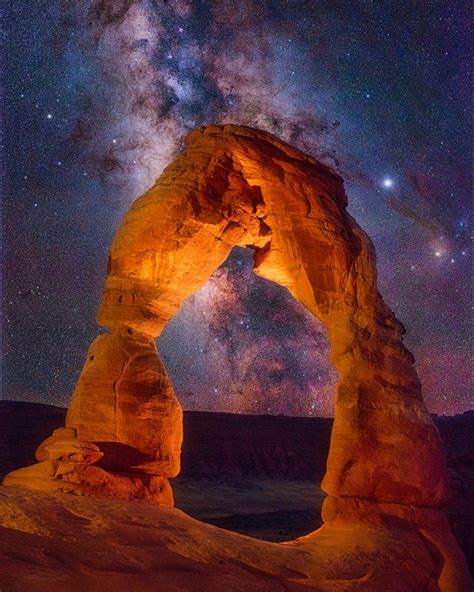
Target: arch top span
237 186
232 186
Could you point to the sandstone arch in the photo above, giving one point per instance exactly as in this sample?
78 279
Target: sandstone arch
236 186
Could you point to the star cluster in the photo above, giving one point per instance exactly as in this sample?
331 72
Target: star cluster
98 96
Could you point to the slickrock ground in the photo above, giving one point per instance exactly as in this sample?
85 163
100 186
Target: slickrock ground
47 543
59 542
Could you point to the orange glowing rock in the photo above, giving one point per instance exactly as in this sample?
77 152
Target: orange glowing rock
237 186
125 403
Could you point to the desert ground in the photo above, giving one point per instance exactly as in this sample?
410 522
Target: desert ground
264 485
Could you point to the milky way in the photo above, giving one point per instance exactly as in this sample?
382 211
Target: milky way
248 346
98 96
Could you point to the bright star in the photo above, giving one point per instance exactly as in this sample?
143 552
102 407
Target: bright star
387 182
49 116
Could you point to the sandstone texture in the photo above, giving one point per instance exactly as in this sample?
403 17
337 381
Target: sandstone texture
236 186
126 441
257 475
124 402
66 543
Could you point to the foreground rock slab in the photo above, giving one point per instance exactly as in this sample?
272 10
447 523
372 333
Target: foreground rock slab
59 543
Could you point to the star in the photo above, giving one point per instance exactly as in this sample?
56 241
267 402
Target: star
387 182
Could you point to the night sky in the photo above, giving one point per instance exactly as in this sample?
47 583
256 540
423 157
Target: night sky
97 98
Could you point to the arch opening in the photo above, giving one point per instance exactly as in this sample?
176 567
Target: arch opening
243 349
243 344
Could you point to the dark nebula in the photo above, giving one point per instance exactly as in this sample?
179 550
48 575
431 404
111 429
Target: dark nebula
97 98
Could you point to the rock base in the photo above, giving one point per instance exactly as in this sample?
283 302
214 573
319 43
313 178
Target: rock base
68 465
65 543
